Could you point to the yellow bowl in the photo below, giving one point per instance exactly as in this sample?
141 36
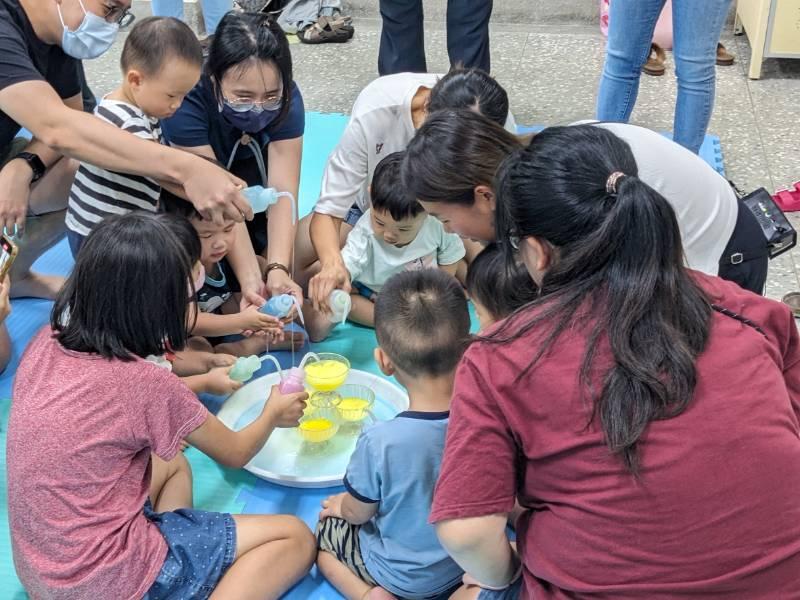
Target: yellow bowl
317 430
357 400
327 373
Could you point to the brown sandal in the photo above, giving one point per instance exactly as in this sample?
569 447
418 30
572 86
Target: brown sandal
724 58
655 62
327 30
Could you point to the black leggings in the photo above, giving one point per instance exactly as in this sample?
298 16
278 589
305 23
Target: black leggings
745 259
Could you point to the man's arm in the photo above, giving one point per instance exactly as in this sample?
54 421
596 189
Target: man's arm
74 133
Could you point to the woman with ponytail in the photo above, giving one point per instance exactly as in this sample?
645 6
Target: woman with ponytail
645 415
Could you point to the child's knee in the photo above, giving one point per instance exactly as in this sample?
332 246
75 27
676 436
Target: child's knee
304 538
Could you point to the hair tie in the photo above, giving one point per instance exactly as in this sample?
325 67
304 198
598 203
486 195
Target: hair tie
611 182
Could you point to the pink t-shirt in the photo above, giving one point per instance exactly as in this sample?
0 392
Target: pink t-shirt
80 435
717 509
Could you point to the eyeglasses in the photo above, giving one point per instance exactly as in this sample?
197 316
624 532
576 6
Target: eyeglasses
247 104
121 16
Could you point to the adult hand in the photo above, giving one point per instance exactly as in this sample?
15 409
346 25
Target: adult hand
5 303
285 409
215 193
333 275
218 382
15 183
332 507
279 282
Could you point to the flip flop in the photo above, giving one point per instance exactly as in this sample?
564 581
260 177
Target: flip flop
655 62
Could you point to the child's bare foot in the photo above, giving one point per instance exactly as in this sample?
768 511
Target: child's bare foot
318 325
255 344
378 593
292 339
35 285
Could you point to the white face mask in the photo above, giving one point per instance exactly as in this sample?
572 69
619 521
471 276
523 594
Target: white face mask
92 37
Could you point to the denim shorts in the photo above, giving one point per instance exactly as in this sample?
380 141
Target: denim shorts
201 546
353 215
512 592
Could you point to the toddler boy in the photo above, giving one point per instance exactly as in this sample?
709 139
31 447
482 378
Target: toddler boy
161 62
374 539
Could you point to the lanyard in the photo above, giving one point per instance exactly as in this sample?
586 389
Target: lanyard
247 140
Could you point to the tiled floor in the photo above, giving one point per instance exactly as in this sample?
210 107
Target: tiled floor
551 73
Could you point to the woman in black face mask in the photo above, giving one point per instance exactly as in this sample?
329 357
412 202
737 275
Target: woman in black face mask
247 114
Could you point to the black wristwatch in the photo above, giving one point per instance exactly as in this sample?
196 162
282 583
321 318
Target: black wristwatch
35 163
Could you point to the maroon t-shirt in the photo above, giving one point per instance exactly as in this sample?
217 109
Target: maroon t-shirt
80 436
717 508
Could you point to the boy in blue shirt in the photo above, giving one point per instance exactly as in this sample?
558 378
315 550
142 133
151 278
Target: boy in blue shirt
374 539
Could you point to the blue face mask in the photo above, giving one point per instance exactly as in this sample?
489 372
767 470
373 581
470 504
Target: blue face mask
251 121
92 37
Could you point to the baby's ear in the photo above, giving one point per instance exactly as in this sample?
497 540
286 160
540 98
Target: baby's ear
384 362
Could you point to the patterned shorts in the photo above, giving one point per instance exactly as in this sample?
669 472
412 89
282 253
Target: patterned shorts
340 538
202 545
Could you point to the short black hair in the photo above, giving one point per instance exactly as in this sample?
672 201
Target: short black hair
154 40
175 205
422 322
470 89
186 235
241 36
129 291
387 192
499 285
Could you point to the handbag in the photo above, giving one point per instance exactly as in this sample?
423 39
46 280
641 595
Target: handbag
778 231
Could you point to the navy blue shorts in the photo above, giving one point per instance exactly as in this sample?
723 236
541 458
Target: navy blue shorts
363 290
201 547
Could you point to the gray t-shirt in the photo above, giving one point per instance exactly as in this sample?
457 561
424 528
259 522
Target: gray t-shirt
396 464
703 200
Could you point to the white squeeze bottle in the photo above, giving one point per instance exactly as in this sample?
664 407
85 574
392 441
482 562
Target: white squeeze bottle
340 304
261 198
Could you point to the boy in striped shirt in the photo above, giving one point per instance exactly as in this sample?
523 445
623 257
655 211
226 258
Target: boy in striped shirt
161 63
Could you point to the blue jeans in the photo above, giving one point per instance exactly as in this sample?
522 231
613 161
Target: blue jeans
697 25
213 11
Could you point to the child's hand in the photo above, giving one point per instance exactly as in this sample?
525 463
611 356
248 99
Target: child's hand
219 360
5 303
219 383
285 409
332 507
252 320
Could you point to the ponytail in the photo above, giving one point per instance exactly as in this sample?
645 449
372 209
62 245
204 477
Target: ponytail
619 252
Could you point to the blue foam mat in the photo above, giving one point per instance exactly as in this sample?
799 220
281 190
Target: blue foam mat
218 488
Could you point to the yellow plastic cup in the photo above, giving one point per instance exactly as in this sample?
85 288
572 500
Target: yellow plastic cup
327 373
316 429
357 401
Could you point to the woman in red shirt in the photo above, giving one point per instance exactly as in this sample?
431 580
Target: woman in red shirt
645 415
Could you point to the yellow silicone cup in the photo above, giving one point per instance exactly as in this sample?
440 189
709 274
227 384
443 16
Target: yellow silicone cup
357 401
327 373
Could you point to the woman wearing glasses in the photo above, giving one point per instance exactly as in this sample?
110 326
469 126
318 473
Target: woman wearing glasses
247 114
646 416
41 46
451 162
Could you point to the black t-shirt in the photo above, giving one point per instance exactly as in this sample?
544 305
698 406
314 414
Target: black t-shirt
24 57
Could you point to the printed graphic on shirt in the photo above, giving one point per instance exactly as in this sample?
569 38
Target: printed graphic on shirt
423 262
